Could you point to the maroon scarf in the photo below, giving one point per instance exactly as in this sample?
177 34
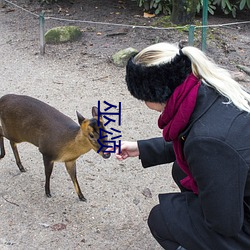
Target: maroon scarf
174 119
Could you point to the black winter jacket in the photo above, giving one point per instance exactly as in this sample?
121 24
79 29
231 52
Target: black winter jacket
216 145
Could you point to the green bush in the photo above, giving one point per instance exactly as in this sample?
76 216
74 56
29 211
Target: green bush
165 6
211 7
232 6
156 6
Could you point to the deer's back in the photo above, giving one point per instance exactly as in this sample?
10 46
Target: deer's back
24 118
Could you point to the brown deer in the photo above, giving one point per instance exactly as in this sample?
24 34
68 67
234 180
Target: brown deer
59 138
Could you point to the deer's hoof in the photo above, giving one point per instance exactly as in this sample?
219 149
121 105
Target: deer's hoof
82 198
48 195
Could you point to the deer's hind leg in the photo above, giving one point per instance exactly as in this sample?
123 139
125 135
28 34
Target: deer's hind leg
1 144
71 168
18 161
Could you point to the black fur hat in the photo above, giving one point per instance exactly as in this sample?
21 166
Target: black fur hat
156 83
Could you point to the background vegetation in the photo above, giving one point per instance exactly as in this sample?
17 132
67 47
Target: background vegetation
165 6
226 6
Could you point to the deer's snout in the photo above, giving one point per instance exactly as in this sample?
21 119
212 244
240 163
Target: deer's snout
106 155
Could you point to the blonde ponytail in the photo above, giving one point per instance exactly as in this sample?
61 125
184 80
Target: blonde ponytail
218 78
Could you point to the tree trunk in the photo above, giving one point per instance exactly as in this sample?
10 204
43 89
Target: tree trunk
183 11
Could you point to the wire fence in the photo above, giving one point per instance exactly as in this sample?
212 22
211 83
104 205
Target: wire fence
191 28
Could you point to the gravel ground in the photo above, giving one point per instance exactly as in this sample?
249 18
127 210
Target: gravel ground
72 77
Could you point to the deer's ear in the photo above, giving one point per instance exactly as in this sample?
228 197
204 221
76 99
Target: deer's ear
94 111
80 118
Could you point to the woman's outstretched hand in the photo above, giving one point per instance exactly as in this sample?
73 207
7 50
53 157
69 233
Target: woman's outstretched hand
128 149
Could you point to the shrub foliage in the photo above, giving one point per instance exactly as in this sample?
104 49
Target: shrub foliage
165 6
227 6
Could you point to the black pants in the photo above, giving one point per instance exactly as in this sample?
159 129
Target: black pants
156 222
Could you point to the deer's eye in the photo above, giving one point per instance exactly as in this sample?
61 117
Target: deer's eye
91 136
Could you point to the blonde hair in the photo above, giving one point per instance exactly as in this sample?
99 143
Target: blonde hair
202 67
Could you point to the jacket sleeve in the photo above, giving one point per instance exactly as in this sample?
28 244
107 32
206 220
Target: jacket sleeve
155 151
220 173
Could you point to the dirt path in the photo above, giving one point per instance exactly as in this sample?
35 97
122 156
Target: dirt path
74 77
115 214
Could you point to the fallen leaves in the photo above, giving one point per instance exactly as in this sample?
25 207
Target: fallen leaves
58 227
147 193
148 15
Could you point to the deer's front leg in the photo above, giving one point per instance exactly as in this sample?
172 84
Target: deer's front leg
71 168
48 165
